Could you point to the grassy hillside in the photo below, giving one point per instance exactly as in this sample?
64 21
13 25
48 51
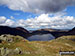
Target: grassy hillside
22 47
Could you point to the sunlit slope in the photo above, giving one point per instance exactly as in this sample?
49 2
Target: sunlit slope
23 47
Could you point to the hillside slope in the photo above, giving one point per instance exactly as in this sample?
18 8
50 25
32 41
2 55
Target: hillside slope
22 47
14 31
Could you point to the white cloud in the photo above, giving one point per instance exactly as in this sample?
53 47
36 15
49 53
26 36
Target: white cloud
51 22
6 22
42 21
2 19
20 22
11 17
9 22
38 6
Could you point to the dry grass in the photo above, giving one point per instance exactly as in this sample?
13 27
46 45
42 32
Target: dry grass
43 48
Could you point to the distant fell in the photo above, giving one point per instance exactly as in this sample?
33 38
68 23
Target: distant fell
14 31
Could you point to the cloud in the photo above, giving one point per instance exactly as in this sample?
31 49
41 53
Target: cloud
38 6
9 22
57 21
6 22
21 23
43 37
42 21
2 19
11 17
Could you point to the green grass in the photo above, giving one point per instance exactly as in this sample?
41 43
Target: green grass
43 48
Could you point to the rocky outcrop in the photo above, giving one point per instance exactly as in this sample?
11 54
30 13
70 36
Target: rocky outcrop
10 38
14 31
5 51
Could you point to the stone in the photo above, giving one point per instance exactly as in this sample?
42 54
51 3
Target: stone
0 41
18 51
4 51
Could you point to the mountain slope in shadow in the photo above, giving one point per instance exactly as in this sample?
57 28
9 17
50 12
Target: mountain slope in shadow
14 31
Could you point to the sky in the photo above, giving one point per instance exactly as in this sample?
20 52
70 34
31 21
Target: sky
37 14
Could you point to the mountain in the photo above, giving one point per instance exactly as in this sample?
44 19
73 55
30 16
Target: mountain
47 34
14 31
55 32
22 29
72 32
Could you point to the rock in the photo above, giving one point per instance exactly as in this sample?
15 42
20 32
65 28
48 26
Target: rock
0 41
17 51
11 38
6 38
4 51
